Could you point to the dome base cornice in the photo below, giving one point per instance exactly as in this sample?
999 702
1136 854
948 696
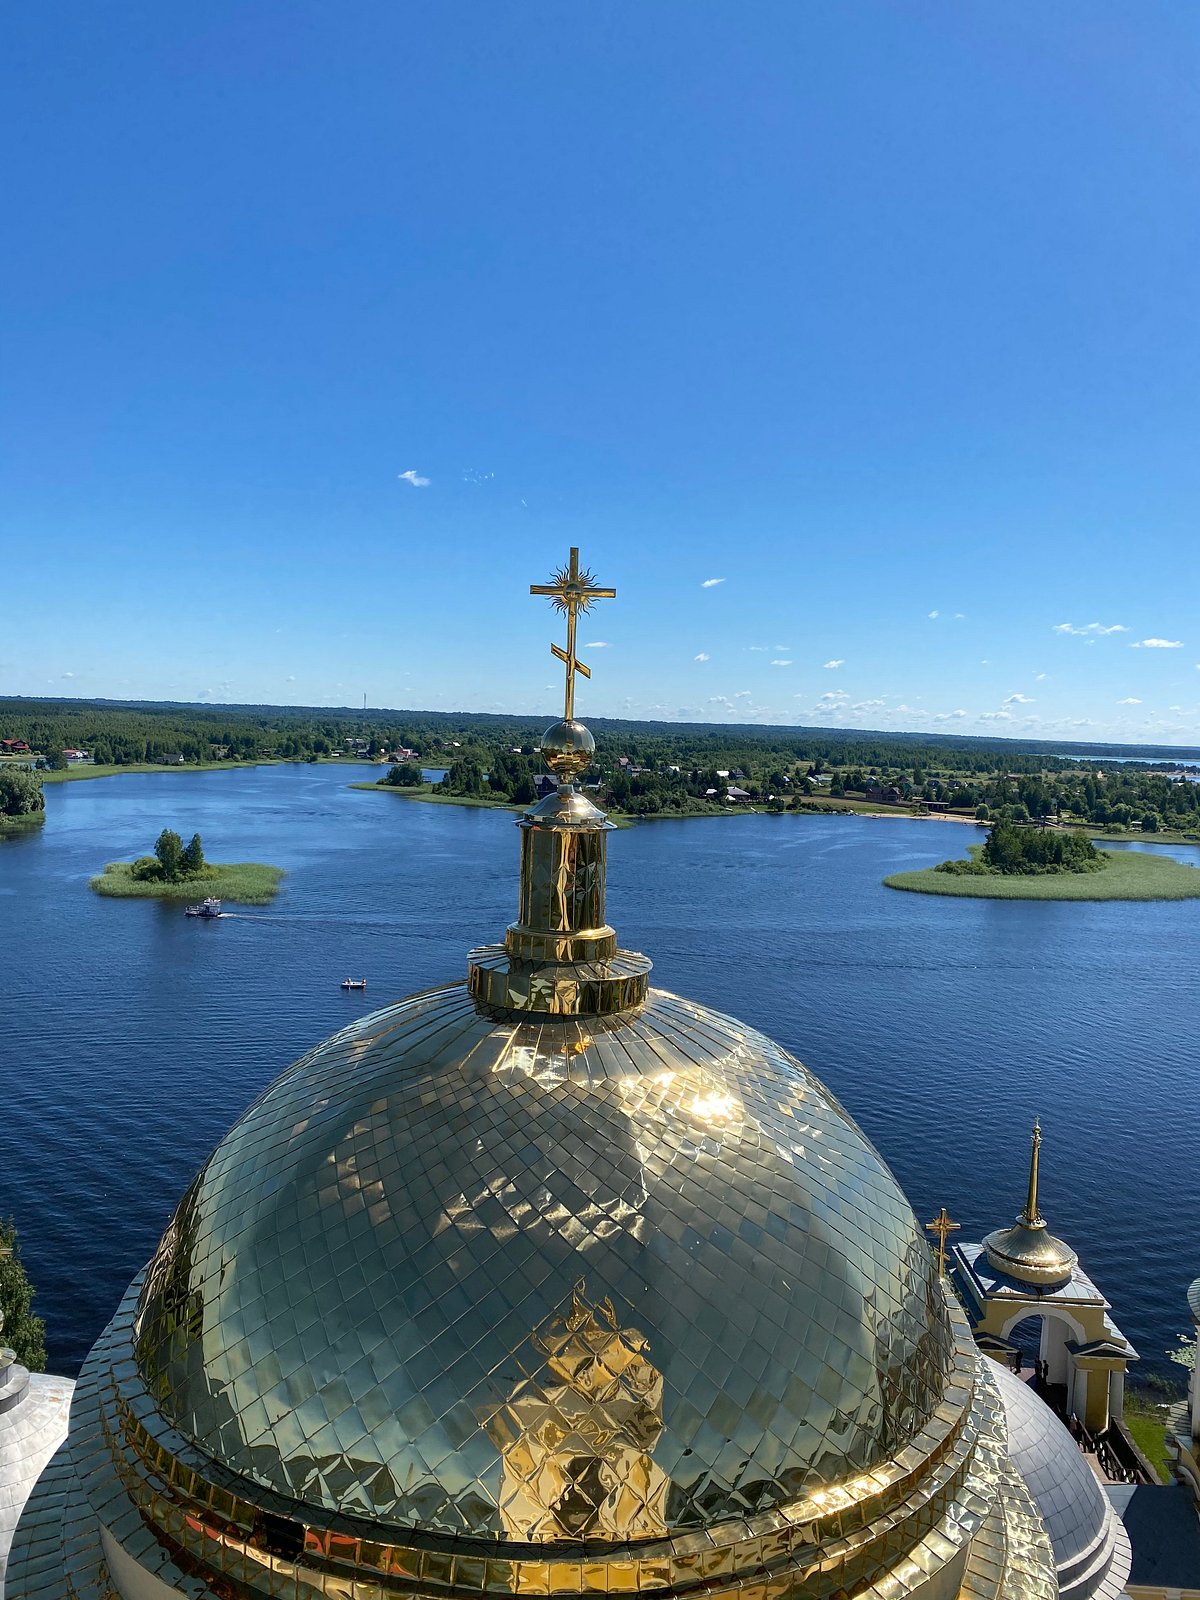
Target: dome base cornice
177 1513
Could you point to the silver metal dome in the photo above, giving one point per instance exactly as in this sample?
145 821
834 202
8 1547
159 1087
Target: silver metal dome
1091 1550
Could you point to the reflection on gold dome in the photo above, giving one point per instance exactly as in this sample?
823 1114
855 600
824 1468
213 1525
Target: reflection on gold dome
574 1437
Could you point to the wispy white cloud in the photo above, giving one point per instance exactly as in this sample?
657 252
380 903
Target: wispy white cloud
598 644
1018 700
781 663
866 705
703 656
1041 678
830 665
291 678
996 716
950 716
933 615
834 694
759 647
742 694
711 583
415 478
1157 644
960 616
68 674
783 647
1130 700
1086 628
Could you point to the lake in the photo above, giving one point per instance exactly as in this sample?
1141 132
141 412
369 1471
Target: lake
133 1037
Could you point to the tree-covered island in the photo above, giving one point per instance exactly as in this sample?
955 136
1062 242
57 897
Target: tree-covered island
1027 863
178 871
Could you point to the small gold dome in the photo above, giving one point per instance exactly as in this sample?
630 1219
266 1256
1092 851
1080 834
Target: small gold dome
1031 1254
1028 1251
567 749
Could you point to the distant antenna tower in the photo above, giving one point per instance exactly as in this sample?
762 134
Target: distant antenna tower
364 702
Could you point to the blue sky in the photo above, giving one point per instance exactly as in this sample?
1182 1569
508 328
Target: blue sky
857 344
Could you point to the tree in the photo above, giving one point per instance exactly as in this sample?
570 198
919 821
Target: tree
168 848
982 814
56 761
405 775
22 1332
192 860
20 792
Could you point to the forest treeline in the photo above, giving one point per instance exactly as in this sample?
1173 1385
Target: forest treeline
645 768
1120 798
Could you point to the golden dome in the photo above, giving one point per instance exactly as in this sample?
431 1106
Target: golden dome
356 1303
1027 1251
540 1283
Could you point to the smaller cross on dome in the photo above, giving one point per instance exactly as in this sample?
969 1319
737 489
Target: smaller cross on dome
942 1225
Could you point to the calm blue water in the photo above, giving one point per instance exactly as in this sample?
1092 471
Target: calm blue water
132 1037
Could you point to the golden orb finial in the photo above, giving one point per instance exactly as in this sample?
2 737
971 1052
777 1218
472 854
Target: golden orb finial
567 749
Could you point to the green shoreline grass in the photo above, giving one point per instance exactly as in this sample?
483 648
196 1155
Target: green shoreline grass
30 819
431 797
249 883
1125 875
86 770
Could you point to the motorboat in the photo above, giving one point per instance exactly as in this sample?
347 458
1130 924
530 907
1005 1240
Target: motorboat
209 907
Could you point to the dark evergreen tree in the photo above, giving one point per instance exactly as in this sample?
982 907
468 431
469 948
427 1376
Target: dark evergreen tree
192 859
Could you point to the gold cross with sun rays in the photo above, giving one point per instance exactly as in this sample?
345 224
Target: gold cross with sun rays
573 589
942 1225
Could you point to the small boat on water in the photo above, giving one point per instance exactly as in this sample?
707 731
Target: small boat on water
207 908
354 983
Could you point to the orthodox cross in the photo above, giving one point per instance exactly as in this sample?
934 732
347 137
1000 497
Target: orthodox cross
573 589
942 1225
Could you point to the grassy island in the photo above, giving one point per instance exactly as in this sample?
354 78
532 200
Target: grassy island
1116 875
178 871
250 883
